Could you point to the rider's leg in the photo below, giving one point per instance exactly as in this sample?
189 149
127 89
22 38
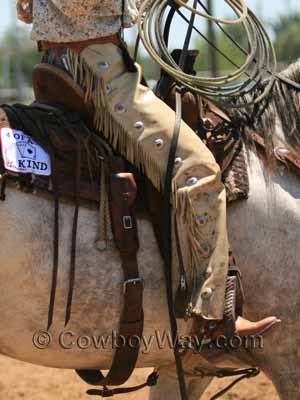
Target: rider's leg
140 127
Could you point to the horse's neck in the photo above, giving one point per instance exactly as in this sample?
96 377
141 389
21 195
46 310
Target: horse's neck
263 233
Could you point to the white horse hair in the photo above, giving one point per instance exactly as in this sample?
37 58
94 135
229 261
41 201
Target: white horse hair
263 233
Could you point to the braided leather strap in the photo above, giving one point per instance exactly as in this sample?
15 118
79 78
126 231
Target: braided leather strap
229 306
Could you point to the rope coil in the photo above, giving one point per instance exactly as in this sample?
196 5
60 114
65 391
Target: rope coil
242 17
259 59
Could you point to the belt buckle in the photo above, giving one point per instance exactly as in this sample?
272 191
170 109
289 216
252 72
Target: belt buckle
127 222
134 281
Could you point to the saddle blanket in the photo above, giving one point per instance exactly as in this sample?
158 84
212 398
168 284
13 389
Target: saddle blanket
21 154
50 152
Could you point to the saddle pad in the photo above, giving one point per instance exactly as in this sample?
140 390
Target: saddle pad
22 154
74 170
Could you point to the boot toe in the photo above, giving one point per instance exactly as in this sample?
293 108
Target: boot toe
246 328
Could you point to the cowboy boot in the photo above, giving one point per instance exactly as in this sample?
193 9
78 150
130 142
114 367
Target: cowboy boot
233 323
242 327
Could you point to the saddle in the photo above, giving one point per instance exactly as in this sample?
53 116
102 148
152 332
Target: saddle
84 171
58 115
52 85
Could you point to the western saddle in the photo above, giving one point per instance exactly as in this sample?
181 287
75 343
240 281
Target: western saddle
52 85
54 121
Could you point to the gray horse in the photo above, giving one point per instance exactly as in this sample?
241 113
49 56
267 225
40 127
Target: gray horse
263 233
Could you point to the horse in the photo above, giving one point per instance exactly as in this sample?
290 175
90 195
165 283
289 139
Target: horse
263 235
262 232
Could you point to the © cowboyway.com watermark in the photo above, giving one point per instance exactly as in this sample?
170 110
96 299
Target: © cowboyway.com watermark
68 340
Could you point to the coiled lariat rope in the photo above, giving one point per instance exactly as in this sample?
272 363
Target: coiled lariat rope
243 12
226 89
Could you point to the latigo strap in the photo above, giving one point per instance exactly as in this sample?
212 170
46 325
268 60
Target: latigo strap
123 193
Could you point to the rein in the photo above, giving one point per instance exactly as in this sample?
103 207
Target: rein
163 37
167 219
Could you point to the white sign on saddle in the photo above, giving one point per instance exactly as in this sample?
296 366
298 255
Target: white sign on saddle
22 154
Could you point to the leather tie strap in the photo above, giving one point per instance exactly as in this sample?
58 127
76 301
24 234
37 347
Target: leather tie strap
123 193
151 381
242 373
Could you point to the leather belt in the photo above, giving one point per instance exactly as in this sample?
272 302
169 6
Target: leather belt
44 45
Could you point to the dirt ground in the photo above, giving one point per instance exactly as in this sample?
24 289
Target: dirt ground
24 381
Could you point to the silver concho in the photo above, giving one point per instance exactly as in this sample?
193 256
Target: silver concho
178 161
201 219
108 88
191 181
120 108
139 126
103 65
159 143
207 293
205 249
207 125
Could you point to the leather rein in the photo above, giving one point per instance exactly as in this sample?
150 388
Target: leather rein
167 250
220 373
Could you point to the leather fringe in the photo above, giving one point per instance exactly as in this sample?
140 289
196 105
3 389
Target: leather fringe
190 233
105 123
189 229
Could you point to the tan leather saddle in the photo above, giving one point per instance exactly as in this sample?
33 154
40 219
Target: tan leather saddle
52 85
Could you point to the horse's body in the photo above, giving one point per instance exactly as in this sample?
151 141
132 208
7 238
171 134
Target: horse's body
263 233
264 236
26 270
